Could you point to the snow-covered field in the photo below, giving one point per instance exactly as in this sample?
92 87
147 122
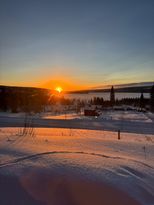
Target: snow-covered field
127 116
63 116
111 120
53 166
111 115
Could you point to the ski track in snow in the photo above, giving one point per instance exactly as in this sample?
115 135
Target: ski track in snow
28 157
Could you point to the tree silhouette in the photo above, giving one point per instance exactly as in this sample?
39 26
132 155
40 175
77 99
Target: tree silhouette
112 96
3 99
142 101
152 98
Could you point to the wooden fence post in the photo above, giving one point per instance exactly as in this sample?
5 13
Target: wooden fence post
118 134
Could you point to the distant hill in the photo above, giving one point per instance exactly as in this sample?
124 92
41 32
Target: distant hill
126 88
140 84
22 89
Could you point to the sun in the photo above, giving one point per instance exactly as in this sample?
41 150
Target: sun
59 89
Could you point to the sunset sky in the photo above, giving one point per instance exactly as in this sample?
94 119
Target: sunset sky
76 44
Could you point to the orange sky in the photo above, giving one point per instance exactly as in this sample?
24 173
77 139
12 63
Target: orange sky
67 85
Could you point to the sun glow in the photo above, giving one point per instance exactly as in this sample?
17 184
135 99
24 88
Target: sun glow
59 89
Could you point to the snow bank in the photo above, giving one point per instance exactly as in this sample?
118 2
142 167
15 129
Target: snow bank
69 166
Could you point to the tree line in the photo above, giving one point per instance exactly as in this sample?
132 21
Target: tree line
140 102
20 99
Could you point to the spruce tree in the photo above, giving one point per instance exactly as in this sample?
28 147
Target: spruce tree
142 101
112 96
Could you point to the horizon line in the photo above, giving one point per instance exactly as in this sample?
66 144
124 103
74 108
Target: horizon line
105 87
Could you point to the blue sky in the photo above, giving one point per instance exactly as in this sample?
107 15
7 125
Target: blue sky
76 43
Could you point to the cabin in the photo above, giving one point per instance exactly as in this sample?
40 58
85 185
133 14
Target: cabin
90 110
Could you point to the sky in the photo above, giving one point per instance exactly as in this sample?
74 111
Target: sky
76 44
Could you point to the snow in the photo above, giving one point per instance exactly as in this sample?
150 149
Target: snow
132 122
62 116
111 115
75 166
126 115
114 115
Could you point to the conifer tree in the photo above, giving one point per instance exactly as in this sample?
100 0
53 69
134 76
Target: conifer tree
142 101
112 96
